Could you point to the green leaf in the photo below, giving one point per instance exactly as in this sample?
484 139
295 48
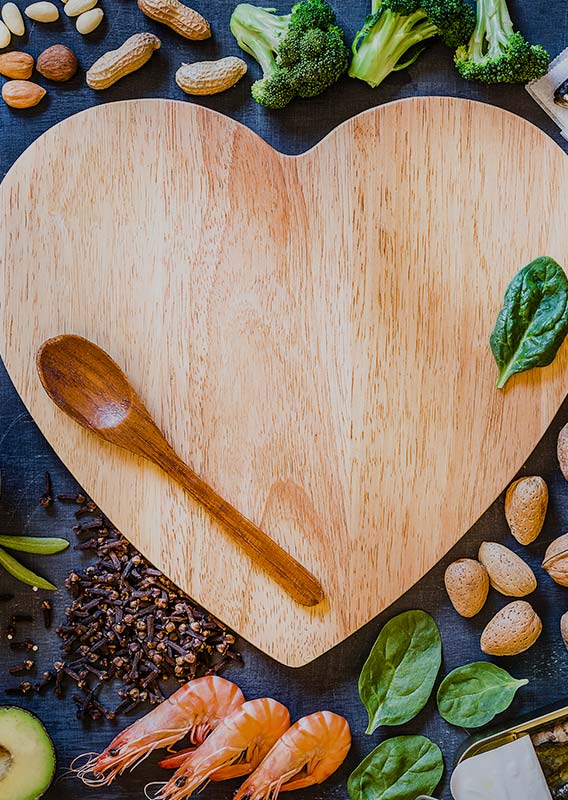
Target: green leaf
398 676
472 695
43 545
398 769
533 322
22 573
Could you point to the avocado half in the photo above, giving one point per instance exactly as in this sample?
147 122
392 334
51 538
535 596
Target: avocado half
27 755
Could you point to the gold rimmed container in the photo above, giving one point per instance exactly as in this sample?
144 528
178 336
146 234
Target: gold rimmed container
530 724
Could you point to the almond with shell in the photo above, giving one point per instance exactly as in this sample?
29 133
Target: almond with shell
556 560
512 630
562 450
467 585
526 502
564 628
16 65
508 573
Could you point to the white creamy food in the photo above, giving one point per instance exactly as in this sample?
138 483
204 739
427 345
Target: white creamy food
510 772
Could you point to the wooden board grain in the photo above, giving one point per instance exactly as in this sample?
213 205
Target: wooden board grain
310 332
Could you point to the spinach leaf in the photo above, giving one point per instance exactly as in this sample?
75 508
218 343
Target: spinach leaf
398 676
533 322
471 695
398 769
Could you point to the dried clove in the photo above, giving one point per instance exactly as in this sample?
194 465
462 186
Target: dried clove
47 609
129 623
25 666
46 499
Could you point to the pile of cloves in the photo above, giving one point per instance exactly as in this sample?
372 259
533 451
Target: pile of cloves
130 625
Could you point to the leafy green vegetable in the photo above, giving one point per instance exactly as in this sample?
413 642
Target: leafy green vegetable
533 322
398 769
398 676
44 545
23 574
471 695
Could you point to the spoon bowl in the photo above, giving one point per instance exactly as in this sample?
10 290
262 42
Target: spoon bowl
84 381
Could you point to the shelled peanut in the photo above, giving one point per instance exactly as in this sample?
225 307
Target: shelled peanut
42 12
177 16
115 64
5 35
12 19
89 21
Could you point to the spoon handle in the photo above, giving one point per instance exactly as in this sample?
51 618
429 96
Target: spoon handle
280 565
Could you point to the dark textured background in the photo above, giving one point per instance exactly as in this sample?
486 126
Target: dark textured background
331 681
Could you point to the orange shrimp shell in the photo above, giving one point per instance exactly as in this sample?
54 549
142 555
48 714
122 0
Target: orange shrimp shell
234 749
307 754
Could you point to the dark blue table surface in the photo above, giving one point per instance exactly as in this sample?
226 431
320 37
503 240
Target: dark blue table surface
330 681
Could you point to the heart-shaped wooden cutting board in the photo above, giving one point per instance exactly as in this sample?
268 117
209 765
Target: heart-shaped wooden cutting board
310 332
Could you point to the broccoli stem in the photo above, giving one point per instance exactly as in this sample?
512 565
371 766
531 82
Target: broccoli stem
258 32
493 30
380 49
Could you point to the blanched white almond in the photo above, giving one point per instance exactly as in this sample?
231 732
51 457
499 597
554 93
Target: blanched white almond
42 12
89 21
5 35
13 19
73 8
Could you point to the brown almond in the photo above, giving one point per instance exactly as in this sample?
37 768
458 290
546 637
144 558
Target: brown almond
16 65
508 573
467 585
57 63
512 630
556 560
526 502
562 450
22 94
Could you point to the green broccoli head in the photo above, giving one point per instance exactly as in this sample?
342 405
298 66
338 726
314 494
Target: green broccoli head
393 36
301 54
312 14
495 53
454 20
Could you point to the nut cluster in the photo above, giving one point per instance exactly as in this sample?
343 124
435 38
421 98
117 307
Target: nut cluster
516 627
58 63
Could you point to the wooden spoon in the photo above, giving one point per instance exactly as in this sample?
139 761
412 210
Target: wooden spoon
91 388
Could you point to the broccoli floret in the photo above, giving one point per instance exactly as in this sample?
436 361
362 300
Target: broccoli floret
301 53
495 53
393 35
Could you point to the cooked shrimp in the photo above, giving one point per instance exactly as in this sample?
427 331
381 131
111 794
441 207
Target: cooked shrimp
195 709
308 753
234 749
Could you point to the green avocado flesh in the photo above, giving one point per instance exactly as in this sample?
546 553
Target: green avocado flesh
27 757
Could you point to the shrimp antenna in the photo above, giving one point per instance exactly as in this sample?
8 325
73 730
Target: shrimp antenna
147 789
